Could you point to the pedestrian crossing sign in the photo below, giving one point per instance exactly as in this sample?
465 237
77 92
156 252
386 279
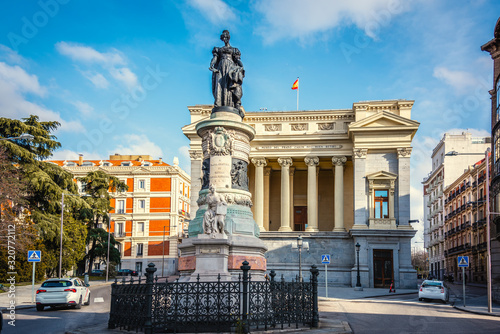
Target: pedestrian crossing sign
34 256
325 258
463 261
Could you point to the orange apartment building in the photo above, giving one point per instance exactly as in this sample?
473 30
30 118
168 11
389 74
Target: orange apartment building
150 218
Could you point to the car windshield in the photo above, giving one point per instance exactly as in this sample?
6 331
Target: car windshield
56 284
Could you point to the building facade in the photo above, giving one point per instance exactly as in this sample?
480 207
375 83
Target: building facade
493 48
453 154
150 218
465 224
334 177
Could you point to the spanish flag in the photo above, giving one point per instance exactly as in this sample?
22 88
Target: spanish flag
296 84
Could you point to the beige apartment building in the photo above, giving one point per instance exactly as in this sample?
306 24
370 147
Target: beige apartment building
151 217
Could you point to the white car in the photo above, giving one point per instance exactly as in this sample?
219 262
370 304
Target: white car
62 292
433 290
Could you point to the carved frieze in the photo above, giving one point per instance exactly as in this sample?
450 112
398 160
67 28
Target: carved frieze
326 126
299 127
272 127
230 199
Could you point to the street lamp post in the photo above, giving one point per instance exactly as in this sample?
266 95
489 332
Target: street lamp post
299 246
358 277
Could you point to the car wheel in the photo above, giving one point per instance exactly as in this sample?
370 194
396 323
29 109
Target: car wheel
39 308
88 301
79 305
420 299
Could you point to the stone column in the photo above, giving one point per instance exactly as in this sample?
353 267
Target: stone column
259 163
285 164
312 194
196 176
339 162
267 180
360 195
403 192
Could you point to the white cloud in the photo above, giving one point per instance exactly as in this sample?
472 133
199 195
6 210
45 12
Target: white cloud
10 56
136 144
301 19
83 107
113 62
89 55
15 83
215 11
461 81
126 76
96 78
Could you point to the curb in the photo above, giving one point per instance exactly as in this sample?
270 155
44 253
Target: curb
475 312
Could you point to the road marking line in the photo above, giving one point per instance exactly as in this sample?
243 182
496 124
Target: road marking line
98 300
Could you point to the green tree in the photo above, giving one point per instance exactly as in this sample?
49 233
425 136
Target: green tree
45 183
98 186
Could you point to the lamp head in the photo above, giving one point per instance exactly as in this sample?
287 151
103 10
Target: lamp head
299 241
358 246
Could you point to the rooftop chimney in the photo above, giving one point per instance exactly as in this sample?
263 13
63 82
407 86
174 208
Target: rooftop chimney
80 159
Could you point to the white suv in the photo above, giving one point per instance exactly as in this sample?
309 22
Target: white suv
62 292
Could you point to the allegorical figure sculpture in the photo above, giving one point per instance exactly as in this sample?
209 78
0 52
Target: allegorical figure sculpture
227 75
213 219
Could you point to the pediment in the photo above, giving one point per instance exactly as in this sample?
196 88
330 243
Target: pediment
384 119
381 175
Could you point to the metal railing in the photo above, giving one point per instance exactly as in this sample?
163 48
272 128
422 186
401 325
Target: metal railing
219 306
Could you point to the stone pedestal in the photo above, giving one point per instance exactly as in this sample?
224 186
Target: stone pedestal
226 148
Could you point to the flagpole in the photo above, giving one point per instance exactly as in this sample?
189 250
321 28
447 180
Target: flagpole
298 87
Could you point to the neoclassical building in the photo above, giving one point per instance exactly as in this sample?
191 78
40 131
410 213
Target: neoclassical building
335 177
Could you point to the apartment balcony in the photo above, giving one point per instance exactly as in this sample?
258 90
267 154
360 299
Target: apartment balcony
434 227
441 238
456 250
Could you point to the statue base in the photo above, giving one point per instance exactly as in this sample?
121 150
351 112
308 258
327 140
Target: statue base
226 111
208 257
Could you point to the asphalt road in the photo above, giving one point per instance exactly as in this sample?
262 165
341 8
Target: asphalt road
60 320
405 314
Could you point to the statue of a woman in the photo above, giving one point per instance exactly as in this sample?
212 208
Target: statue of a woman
227 74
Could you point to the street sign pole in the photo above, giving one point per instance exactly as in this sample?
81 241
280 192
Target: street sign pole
33 284
463 282
326 280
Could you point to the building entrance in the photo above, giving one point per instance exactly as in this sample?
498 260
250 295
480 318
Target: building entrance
299 218
383 272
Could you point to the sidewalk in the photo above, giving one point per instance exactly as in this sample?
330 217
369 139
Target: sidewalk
23 295
476 304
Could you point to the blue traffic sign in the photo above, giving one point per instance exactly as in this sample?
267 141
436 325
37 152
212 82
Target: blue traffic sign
34 256
325 259
463 261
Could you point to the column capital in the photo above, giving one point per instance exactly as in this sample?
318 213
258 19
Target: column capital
404 152
311 161
285 162
195 155
360 152
292 171
259 162
267 171
339 160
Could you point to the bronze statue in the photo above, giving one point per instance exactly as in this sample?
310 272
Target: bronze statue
227 75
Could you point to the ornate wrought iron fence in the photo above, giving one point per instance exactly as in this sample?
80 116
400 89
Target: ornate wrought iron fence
235 306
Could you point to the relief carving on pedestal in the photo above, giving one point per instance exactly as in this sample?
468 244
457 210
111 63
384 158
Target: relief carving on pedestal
239 177
205 169
220 142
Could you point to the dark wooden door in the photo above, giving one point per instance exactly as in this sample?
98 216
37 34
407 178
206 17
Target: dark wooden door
299 218
383 269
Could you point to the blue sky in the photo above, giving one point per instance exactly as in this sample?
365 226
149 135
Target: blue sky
119 75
